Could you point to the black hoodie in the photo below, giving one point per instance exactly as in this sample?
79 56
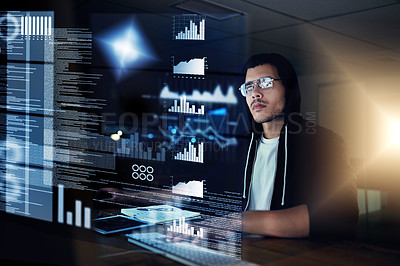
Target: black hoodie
312 169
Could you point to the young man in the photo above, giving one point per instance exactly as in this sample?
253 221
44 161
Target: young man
297 178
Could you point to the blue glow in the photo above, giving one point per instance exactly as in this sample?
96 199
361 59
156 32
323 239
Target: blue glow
125 47
150 136
193 140
211 137
170 128
219 111
173 131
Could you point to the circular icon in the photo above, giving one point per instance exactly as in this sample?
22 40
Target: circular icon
135 167
8 27
142 176
150 169
142 168
142 172
135 175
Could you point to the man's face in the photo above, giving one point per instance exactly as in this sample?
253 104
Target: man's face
265 105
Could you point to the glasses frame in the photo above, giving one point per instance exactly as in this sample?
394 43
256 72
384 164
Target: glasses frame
269 85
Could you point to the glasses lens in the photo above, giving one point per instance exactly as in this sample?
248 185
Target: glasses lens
243 90
265 83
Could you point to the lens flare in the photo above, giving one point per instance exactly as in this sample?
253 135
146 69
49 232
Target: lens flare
125 48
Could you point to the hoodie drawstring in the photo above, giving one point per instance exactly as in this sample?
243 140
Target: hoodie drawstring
284 173
245 173
245 169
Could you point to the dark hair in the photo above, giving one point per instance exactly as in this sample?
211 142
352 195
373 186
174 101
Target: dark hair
286 72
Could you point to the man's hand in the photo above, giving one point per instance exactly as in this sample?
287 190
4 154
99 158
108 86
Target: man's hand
291 223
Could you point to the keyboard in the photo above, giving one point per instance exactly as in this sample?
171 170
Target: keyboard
182 252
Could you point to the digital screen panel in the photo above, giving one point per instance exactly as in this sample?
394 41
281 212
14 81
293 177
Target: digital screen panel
102 106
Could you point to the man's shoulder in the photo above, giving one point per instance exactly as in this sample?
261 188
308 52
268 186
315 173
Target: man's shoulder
314 132
305 133
322 140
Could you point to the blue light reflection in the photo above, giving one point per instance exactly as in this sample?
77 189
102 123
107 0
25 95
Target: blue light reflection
126 48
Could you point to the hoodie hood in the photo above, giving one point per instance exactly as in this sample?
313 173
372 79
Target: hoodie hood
291 111
289 78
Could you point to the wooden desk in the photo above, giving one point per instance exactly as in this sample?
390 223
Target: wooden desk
273 251
34 241
265 251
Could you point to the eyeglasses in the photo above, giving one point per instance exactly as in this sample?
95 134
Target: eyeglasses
265 84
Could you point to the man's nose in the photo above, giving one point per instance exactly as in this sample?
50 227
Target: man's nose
256 92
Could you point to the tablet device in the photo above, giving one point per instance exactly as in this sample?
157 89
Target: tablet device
116 223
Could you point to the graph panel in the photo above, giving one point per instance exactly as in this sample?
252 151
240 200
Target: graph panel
180 226
184 107
189 68
193 66
27 90
217 96
39 26
69 214
190 151
191 188
133 148
189 27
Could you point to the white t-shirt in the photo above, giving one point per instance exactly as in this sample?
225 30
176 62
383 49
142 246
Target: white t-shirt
263 176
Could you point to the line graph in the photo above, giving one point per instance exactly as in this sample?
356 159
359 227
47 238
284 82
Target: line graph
209 133
217 96
191 188
195 66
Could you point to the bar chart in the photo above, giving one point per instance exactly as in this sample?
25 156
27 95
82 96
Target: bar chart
185 108
191 153
133 148
69 215
183 228
36 25
189 27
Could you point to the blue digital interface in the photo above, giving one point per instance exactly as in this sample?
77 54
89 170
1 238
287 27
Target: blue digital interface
92 109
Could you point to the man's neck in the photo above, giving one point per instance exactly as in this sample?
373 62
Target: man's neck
273 128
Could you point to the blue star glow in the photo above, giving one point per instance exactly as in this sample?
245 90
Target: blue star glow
125 48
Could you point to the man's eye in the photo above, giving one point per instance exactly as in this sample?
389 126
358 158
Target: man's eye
265 83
